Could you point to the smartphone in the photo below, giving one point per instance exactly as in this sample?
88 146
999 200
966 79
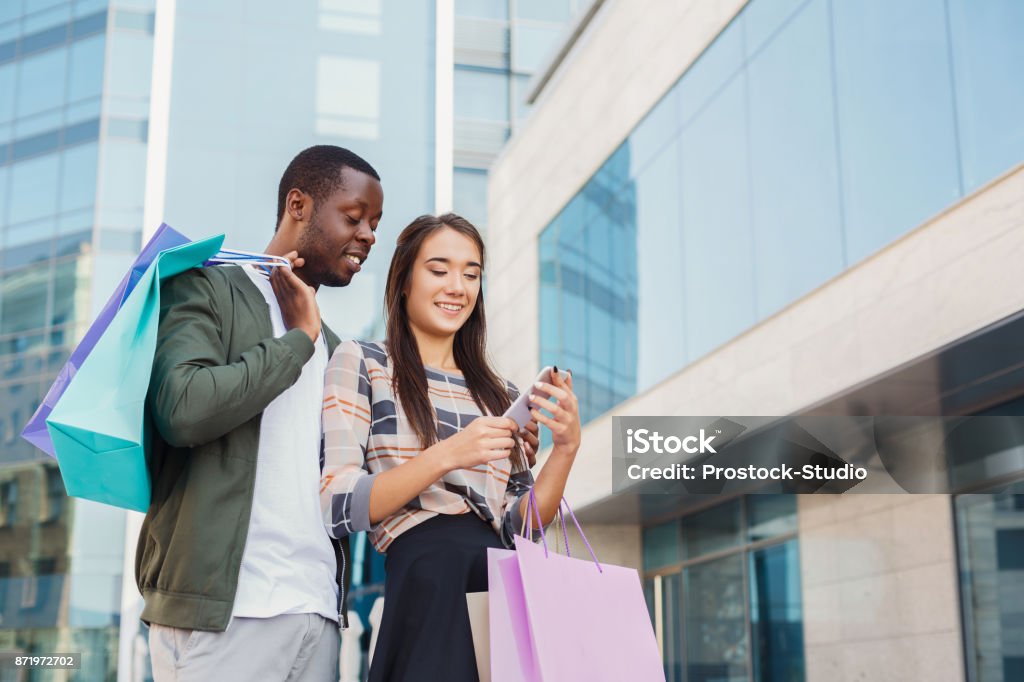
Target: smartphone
519 411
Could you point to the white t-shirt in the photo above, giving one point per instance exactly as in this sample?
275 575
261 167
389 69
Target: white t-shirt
288 565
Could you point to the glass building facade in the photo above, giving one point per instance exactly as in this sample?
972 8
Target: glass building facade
723 588
808 136
499 45
74 101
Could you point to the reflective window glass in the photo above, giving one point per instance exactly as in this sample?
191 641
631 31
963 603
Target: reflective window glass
717 234
78 177
482 9
770 516
776 614
131 61
24 294
990 537
469 195
543 10
662 545
674 643
123 169
481 95
713 530
41 82
798 239
7 74
895 114
86 75
33 188
70 277
659 250
988 55
532 46
714 621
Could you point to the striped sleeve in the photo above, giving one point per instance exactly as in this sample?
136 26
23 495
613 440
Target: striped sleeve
345 481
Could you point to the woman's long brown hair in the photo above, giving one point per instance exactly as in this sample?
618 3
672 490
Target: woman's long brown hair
409 379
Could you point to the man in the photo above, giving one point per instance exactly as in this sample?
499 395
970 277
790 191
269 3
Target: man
239 577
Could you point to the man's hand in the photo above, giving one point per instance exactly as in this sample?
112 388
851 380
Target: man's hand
530 437
296 298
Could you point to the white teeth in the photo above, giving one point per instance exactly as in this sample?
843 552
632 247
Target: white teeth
354 259
449 306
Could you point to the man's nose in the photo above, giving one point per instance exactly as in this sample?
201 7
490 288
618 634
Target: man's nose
366 234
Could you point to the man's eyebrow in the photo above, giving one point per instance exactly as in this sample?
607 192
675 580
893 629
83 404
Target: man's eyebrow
439 259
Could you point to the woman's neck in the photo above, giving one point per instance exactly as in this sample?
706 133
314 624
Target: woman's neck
435 351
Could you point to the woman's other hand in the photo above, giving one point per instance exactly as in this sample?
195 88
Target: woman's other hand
564 421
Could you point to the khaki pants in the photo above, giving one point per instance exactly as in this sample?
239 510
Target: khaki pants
300 646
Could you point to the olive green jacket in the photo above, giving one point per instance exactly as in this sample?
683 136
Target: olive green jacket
217 367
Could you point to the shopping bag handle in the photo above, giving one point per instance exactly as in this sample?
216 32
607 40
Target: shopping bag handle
532 506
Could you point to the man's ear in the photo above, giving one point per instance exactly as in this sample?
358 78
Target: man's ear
299 206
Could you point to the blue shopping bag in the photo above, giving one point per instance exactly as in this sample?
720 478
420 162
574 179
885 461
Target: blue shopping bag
98 428
35 431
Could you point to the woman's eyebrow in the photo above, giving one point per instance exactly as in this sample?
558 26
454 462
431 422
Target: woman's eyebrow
439 259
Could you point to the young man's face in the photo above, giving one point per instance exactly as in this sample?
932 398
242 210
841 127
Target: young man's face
341 231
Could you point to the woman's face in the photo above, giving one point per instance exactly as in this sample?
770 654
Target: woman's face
444 283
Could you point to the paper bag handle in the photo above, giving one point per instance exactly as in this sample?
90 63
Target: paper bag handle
532 508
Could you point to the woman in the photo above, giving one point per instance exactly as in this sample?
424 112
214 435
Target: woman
414 454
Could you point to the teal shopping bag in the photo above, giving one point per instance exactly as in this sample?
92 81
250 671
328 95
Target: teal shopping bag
98 427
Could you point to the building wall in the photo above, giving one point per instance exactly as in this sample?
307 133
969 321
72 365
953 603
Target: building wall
880 597
880 580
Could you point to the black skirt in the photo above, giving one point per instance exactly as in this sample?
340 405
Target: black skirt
424 630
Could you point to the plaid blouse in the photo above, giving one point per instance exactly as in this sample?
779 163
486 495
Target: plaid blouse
366 432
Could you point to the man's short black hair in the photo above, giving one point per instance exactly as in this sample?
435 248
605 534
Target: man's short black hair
317 172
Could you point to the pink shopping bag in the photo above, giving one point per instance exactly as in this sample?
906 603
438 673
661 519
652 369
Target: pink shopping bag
554 618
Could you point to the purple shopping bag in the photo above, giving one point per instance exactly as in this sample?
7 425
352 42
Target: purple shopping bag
556 618
35 431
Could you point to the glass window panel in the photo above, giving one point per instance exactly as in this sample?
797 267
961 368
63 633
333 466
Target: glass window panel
35 145
469 195
769 516
70 280
992 581
658 252
988 55
717 234
713 530
43 40
24 299
7 74
73 244
54 13
33 188
481 95
89 24
139 21
16 256
656 132
131 61
776 614
10 10
672 601
41 82
86 71
663 545
78 177
4 173
761 19
711 72
715 621
8 48
123 169
483 9
543 10
798 238
82 132
521 90
37 123
532 46
82 111
895 113
88 7
37 5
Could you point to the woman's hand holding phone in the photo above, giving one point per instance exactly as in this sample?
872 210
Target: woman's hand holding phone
564 421
484 440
